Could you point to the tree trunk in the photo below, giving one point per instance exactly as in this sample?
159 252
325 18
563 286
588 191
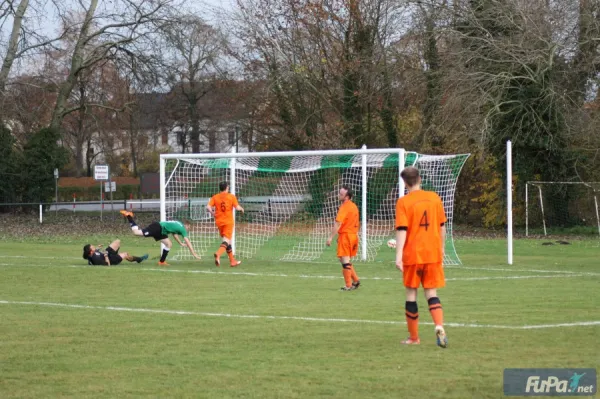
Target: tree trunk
194 121
432 76
80 132
212 141
584 60
77 60
387 114
132 140
89 157
13 44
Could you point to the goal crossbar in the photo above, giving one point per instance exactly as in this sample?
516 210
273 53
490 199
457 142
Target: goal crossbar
283 154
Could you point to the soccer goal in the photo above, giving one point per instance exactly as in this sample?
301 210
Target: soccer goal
290 198
562 208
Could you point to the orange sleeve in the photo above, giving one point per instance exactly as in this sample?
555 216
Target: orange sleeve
211 202
341 215
401 218
441 214
234 200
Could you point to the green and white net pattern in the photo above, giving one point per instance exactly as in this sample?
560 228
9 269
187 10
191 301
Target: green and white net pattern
291 202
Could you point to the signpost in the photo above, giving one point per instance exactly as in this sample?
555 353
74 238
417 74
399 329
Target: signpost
56 191
101 173
111 186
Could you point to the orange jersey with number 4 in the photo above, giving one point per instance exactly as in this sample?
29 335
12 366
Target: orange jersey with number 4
422 214
224 204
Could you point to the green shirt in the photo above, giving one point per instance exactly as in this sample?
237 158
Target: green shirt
173 227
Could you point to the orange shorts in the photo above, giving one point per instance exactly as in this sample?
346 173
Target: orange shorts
347 245
431 275
226 230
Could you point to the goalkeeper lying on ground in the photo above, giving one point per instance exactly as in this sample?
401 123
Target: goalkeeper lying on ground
111 257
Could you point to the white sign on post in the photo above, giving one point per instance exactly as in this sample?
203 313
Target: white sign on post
101 172
110 186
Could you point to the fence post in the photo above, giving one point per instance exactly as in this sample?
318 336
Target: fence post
41 217
509 197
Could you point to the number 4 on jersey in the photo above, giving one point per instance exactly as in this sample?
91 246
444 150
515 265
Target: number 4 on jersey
424 221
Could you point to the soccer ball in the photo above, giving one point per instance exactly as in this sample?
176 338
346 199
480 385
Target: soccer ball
391 243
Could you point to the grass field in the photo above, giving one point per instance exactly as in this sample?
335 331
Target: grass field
271 329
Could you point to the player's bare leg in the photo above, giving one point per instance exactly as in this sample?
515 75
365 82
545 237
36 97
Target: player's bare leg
134 227
166 245
116 244
132 258
437 314
412 317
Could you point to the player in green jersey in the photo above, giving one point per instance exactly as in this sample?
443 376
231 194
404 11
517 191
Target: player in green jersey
160 232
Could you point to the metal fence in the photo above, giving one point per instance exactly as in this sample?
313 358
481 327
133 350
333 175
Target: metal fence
97 207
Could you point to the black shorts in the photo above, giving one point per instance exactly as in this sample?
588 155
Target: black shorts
113 256
154 230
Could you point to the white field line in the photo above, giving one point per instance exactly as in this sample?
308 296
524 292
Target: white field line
299 318
483 268
500 269
399 278
309 276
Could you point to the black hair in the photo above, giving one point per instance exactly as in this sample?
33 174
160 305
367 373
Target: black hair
349 192
86 251
223 186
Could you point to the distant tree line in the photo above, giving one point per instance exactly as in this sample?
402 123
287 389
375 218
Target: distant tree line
428 75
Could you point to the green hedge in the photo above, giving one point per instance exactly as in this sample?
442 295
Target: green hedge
65 194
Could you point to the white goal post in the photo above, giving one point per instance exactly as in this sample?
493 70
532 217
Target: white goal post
290 197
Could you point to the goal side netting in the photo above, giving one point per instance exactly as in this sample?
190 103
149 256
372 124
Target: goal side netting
291 201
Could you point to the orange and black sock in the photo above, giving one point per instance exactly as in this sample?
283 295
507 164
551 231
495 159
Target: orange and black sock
354 275
230 254
347 272
222 249
412 319
435 308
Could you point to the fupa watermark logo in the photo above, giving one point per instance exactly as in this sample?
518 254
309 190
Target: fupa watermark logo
550 382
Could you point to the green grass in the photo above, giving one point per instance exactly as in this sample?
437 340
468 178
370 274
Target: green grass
96 352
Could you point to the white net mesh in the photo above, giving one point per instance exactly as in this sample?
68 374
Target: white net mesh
562 208
291 202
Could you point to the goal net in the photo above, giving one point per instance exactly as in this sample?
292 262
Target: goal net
562 208
291 199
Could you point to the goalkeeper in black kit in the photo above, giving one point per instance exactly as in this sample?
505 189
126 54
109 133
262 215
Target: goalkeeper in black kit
110 257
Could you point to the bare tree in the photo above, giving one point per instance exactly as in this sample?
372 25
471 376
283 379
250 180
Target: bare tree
102 34
24 37
191 60
329 72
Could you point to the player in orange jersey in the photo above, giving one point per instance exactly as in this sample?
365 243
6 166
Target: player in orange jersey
221 206
347 225
420 237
